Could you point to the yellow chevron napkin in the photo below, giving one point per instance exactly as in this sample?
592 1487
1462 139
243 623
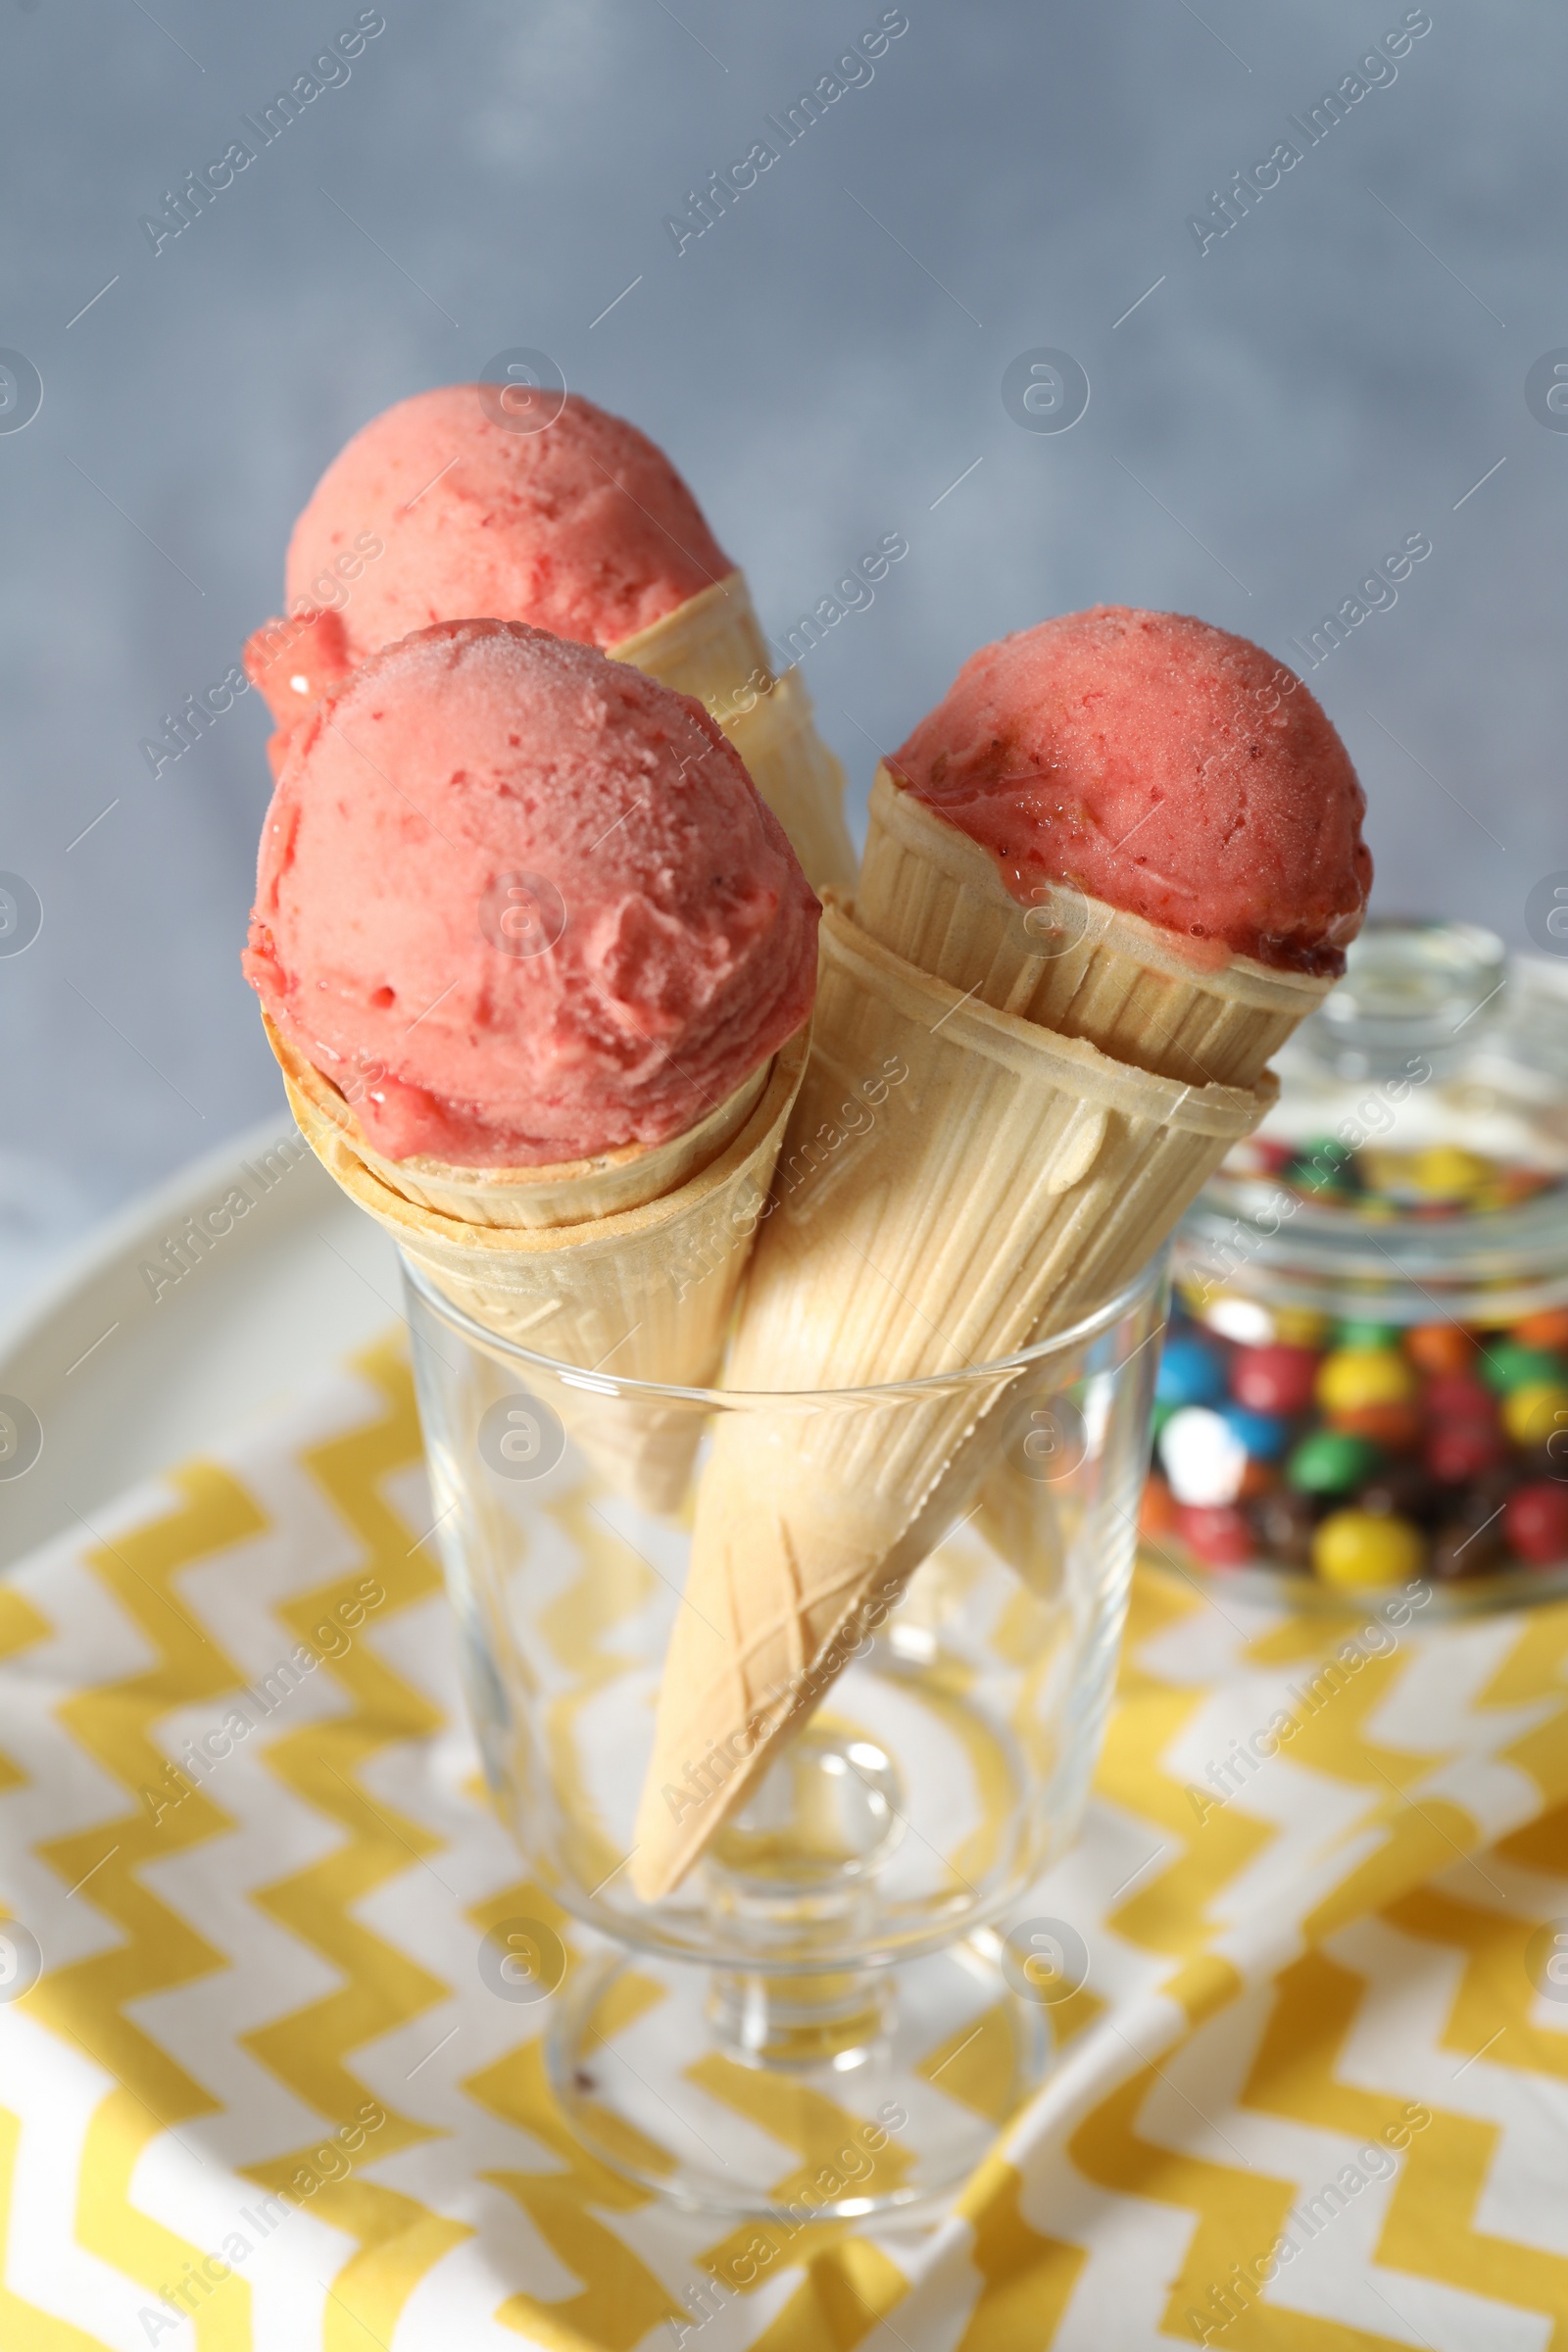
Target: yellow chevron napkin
253 2092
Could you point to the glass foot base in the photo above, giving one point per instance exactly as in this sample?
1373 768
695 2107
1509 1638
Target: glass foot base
718 2092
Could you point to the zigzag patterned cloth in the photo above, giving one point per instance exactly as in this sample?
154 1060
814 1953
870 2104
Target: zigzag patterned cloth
1314 2093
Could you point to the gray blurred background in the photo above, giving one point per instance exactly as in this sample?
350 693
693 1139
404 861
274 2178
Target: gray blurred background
1343 370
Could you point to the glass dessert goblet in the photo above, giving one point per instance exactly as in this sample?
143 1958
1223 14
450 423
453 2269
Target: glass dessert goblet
834 2010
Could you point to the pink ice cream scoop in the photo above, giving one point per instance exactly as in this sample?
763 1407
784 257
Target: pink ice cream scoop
1163 767
439 510
523 904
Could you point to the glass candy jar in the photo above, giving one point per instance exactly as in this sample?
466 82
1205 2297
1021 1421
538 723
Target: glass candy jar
1365 1382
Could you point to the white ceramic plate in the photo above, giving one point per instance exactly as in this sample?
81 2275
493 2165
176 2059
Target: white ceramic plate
124 1383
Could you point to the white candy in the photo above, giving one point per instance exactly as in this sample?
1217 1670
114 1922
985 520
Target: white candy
1204 1458
1244 1320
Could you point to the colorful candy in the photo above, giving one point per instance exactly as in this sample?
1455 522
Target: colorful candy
1245 1320
1366 1451
1285 1524
1265 1436
1480 1503
1505 1366
1535 1413
1203 1456
1458 1450
1352 1377
1274 1380
1439 1348
1444 1172
1191 1371
1369 1336
1366 1548
1376 1184
1300 1327
1323 1167
1330 1461
1459 1551
1217 1532
1398 1427
1159 1510
1535 1523
1399 1490
1455 1397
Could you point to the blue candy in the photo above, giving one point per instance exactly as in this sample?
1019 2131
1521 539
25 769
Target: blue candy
1191 1371
1265 1434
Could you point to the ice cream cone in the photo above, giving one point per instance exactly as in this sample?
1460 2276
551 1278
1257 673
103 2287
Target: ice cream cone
1008 1176
1094 1065
1076 966
711 648
1069 962
573 1134
470 499
628 1263
534 1198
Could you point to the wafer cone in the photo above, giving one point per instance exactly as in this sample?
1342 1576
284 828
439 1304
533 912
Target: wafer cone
629 1261
1069 962
1010 1175
711 647
1075 965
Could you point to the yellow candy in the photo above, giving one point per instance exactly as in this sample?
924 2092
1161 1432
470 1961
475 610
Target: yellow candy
1352 1549
1352 1377
1299 1327
1533 1415
1387 1172
1445 1173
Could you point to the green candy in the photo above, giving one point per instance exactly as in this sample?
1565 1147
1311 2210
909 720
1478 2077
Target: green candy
1309 1179
1368 1335
1322 1165
1331 1461
1505 1366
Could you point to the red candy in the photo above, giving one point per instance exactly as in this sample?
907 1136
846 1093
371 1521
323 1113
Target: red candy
1218 1532
1455 1397
1535 1523
1270 1154
1459 1450
1274 1380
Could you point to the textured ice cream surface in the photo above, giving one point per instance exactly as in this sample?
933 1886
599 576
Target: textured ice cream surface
583 528
293 663
1163 767
522 904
